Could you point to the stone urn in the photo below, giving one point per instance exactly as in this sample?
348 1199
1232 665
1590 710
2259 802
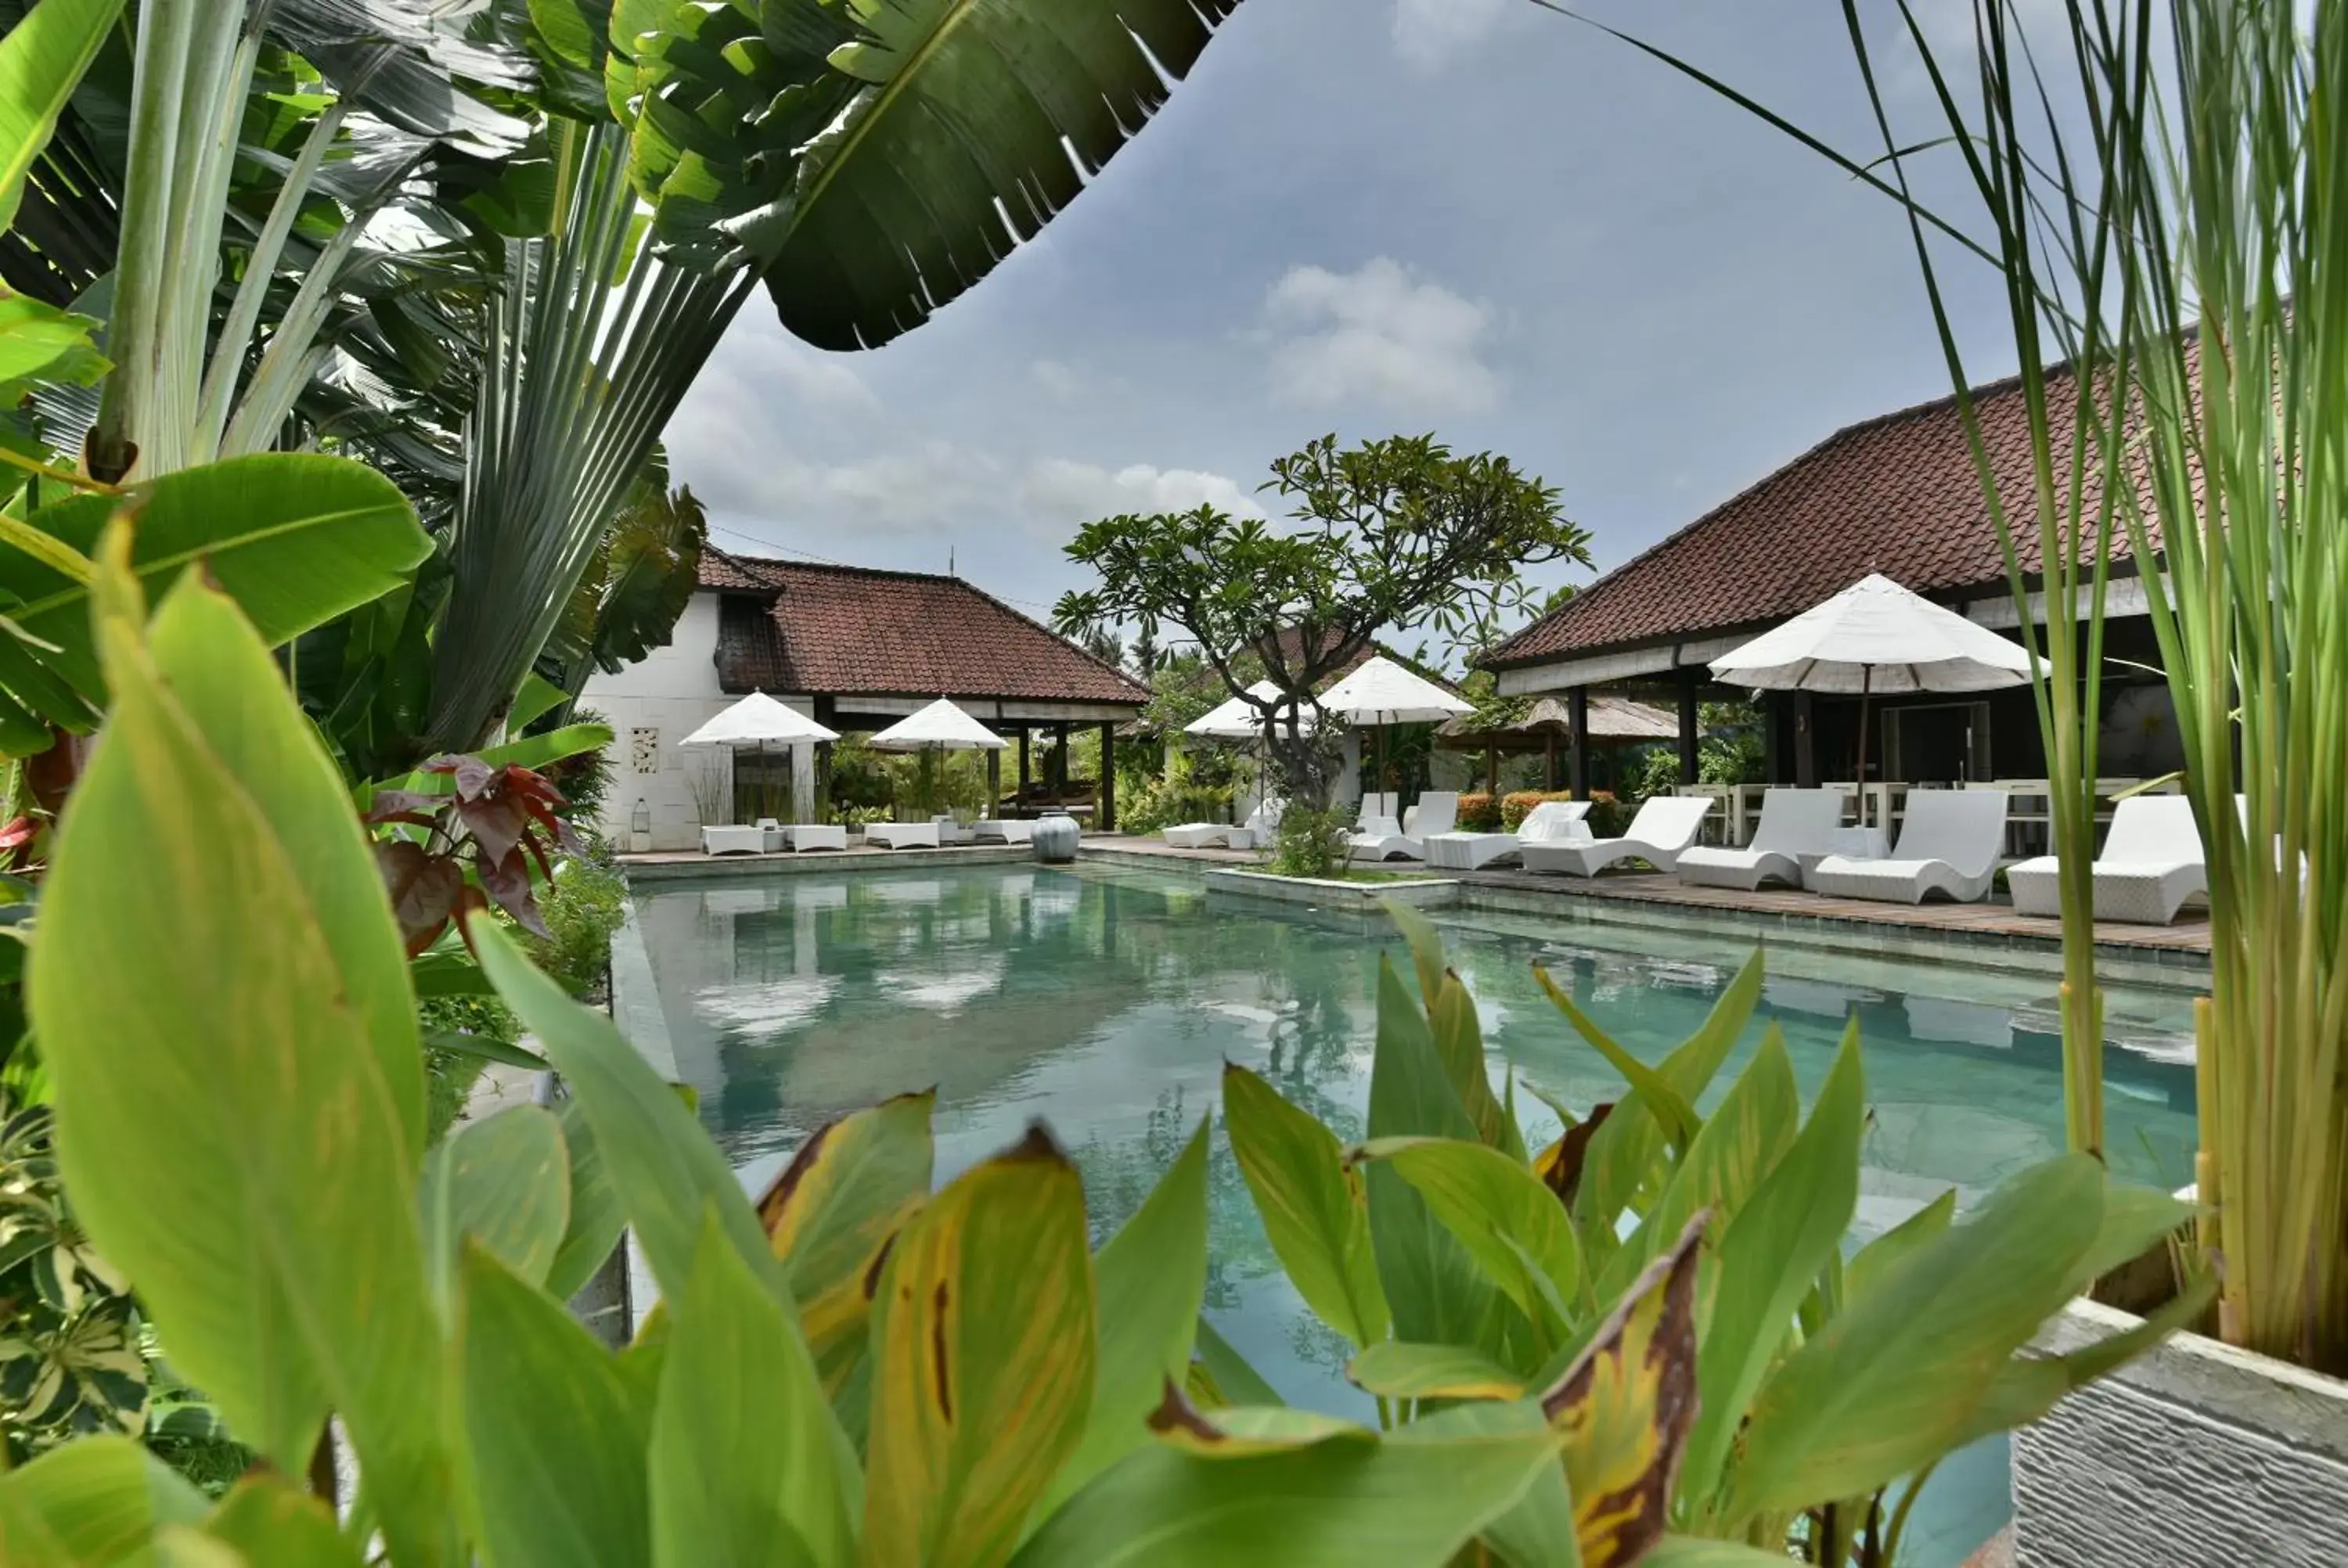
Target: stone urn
1055 839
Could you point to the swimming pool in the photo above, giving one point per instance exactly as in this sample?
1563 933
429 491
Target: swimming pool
1106 999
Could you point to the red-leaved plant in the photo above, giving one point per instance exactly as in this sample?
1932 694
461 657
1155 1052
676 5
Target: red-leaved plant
496 822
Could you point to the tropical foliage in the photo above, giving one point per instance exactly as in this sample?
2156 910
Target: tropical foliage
2157 188
1672 1288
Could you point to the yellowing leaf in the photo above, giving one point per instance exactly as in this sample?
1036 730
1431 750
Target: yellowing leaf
982 1362
1624 1409
1239 1430
833 1212
1398 1371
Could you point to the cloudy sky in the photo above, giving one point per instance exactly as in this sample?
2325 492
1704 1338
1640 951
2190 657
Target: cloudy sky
1368 216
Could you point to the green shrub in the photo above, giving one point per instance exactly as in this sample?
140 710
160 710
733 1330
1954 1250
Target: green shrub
1310 843
584 903
1519 805
1480 813
1167 802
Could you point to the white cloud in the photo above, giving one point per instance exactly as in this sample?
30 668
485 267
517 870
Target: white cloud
1379 334
1432 31
920 489
1061 493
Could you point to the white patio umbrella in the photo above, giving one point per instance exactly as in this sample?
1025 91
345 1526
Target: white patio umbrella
1873 638
1240 719
1383 692
939 727
759 719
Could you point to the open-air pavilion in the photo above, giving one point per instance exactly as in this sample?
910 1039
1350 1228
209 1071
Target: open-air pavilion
1895 494
1547 730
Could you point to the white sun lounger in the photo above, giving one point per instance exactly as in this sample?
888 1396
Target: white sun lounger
1949 843
1549 822
2151 865
806 836
1660 832
903 834
1383 838
733 841
1008 830
1794 822
772 839
1201 834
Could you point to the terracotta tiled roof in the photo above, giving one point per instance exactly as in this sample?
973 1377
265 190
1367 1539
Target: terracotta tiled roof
834 630
1897 494
734 573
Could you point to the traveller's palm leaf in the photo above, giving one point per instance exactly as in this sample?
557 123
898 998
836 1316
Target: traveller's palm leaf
877 158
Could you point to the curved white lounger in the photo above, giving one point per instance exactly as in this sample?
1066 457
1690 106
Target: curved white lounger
1949 843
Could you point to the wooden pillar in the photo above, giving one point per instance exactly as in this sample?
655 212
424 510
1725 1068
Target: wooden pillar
1059 770
1806 747
1549 760
1492 771
1690 737
1774 764
1106 817
993 782
1577 705
1024 775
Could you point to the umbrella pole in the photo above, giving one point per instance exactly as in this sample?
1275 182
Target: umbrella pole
1866 677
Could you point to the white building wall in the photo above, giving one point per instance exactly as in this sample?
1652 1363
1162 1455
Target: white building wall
651 706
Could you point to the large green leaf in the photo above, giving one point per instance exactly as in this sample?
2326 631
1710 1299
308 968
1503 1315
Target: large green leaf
1770 1258
295 539
271 1521
1738 1145
654 1151
1312 1206
1409 1501
1148 1280
504 1181
225 1128
41 62
33 336
835 1209
597 1217
983 1355
744 1454
96 1501
1894 1380
1438 1294
933 123
215 663
1624 1151
554 1435
1512 1225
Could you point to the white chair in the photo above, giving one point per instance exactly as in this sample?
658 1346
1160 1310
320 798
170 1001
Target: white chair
1665 825
733 841
772 837
1552 821
806 835
1383 838
903 834
2151 863
1794 822
1003 830
1949 845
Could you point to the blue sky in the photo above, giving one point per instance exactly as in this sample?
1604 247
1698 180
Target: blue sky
1367 216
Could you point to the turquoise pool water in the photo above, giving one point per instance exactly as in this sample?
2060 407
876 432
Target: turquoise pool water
1104 1000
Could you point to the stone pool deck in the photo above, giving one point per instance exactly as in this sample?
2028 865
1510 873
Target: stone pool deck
1991 932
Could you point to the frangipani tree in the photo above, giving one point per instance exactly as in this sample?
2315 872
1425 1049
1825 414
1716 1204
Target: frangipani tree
1390 535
